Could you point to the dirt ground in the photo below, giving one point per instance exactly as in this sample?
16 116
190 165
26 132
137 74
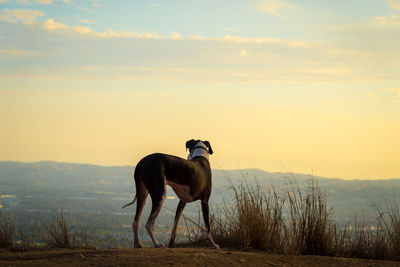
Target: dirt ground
172 257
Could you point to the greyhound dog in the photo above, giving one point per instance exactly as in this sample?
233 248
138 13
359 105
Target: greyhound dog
190 179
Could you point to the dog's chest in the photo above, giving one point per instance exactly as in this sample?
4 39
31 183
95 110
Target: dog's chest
182 191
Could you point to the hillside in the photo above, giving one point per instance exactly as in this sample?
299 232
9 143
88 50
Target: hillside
173 257
92 196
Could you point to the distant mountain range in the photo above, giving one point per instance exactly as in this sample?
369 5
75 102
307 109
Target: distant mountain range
82 180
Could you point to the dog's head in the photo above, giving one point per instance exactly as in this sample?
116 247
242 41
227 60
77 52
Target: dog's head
199 146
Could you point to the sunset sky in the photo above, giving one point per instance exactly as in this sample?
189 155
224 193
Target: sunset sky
280 85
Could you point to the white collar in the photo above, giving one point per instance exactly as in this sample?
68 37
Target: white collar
200 150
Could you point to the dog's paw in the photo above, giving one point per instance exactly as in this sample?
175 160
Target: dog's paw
159 246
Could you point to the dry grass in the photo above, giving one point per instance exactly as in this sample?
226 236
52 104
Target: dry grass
59 231
298 221
7 229
255 221
310 229
61 236
389 227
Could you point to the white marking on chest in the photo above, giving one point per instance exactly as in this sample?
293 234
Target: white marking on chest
182 191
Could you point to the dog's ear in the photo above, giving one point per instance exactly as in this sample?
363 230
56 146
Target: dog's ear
189 144
209 147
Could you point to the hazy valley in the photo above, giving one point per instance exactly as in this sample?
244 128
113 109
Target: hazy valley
92 196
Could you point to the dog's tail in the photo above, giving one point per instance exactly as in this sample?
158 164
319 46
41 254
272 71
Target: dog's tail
130 203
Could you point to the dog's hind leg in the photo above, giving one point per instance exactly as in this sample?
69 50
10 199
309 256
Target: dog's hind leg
141 195
178 214
158 198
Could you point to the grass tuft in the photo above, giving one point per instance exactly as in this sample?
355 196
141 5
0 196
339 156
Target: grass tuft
59 231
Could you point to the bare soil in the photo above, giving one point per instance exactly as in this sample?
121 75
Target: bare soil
172 257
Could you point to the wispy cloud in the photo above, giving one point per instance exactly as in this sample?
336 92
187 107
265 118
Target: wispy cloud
374 98
86 21
51 24
25 2
394 94
394 4
3 1
230 29
395 91
275 7
187 58
386 21
19 15
44 2
88 10
17 53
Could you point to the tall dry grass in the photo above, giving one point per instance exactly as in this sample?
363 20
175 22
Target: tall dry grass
255 220
297 220
389 226
310 228
58 230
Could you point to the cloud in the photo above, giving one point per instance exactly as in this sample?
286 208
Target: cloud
50 24
267 40
19 15
274 7
24 2
394 4
230 29
88 10
17 53
3 1
155 5
386 21
326 71
175 35
379 20
178 58
85 21
395 91
81 29
395 94
44 2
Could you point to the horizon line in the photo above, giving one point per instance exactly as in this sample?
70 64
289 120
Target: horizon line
215 169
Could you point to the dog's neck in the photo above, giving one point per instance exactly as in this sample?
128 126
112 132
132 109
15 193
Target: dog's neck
199 151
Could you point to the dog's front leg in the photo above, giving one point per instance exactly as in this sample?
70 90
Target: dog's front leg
204 206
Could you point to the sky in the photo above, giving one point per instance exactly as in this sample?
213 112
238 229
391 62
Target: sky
279 85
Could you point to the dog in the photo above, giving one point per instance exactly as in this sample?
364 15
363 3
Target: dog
190 179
